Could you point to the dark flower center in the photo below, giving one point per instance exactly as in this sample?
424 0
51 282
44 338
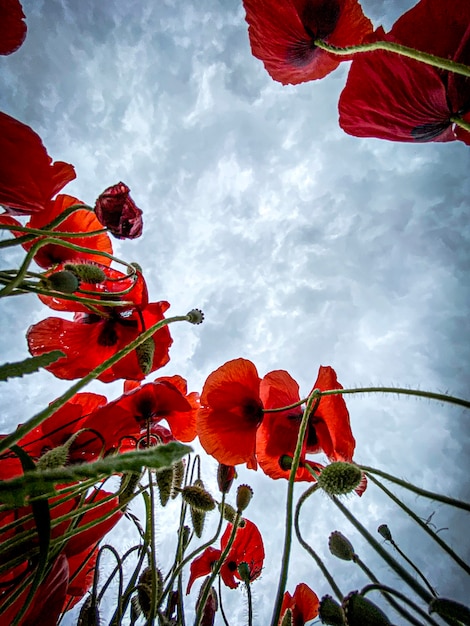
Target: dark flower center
319 19
429 132
253 410
232 566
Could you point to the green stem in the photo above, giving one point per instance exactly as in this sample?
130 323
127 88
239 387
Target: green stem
250 603
313 398
391 46
384 589
35 421
415 567
460 122
47 232
459 504
422 524
224 617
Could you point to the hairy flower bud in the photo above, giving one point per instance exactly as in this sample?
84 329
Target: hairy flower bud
178 475
198 498
86 272
330 612
339 478
340 546
63 281
165 482
359 611
89 614
244 495
144 589
145 352
225 477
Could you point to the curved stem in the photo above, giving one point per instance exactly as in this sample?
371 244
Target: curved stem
391 46
459 504
384 589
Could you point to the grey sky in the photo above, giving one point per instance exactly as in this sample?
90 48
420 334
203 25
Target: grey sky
303 246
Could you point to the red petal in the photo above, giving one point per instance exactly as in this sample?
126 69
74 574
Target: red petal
247 547
202 565
12 26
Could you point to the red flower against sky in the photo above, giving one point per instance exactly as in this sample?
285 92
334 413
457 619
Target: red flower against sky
396 98
12 26
28 178
117 210
90 339
231 411
247 548
303 604
283 33
80 221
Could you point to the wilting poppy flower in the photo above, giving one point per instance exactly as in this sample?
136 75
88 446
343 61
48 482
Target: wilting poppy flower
328 430
247 548
90 339
303 605
283 34
28 178
12 26
396 98
116 210
231 411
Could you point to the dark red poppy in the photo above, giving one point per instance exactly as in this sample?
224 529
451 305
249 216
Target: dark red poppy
396 98
328 431
90 339
303 605
247 548
231 411
28 178
283 34
12 26
81 574
116 210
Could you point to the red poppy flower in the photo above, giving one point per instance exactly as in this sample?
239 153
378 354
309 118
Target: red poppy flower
247 548
283 33
231 411
90 339
116 210
328 431
28 178
303 604
12 26
396 98
81 574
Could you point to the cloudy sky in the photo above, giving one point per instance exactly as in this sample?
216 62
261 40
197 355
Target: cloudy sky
302 245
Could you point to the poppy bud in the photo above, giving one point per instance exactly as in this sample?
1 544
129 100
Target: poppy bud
225 477
116 210
129 482
63 281
340 546
87 272
211 606
450 609
145 352
89 614
359 611
178 475
185 538
244 495
229 512
144 589
330 612
339 478
384 530
57 457
164 481
196 316
198 498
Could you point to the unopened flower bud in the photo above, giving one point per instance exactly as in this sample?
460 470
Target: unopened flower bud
178 475
225 477
359 611
340 546
198 498
384 530
450 609
89 614
196 316
330 612
144 589
164 481
145 352
244 495
211 606
57 457
339 478
129 482
229 512
86 272
63 281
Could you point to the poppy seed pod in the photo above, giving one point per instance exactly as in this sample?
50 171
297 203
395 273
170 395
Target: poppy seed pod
339 478
196 316
359 611
244 495
340 546
384 530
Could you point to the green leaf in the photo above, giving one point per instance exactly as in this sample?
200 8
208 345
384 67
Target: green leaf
30 365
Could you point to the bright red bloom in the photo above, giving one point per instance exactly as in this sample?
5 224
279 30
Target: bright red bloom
116 210
231 411
28 178
396 98
12 27
90 339
303 604
328 431
283 33
247 548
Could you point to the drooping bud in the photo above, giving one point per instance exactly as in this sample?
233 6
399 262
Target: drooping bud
340 546
384 530
198 517
144 589
63 281
196 316
145 352
330 612
211 606
165 482
178 476
185 538
57 457
244 495
136 266
89 614
198 498
450 609
339 478
359 611
225 477
129 482
287 618
87 272
229 512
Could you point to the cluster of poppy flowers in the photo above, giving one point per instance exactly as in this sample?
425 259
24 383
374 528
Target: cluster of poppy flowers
387 95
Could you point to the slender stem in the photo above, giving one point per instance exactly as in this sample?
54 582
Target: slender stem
35 421
384 589
250 603
422 524
313 398
415 567
459 504
460 122
47 232
336 590
224 617
391 46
